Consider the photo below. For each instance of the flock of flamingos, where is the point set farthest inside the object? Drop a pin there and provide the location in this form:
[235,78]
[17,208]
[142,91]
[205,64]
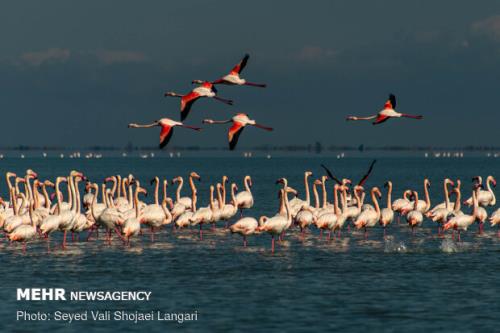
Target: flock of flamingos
[206,89]
[37,209]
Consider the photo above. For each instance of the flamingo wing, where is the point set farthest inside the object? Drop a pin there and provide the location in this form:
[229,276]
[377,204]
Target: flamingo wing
[380,119]
[365,177]
[165,135]
[234,134]
[330,174]
[391,102]
[241,65]
[187,102]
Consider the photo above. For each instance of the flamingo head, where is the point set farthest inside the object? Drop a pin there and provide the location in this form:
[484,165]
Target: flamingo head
[308,173]
[493,181]
[31,174]
[195,176]
[249,179]
[197,82]
[48,183]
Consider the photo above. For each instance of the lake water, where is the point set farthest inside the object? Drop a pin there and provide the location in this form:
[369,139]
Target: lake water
[403,283]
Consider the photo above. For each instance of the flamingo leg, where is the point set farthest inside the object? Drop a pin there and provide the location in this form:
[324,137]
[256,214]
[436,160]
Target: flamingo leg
[223,100]
[260,85]
[244,241]
[272,244]
[366,234]
[64,240]
[321,233]
[201,231]
[152,234]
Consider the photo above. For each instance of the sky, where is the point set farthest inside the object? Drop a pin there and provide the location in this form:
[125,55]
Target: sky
[77,72]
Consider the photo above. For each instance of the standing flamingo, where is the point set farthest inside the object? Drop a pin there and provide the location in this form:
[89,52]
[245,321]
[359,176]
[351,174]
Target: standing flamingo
[369,218]
[240,121]
[233,78]
[485,198]
[167,129]
[244,199]
[206,89]
[387,113]
[276,225]
[132,225]
[387,214]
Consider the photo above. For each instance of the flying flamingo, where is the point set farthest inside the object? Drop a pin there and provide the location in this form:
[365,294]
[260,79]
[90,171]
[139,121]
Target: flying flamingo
[233,78]
[167,128]
[388,112]
[206,89]
[239,122]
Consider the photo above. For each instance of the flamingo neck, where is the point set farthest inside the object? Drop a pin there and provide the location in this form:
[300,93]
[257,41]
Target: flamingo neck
[58,197]
[336,200]
[247,187]
[389,194]
[233,196]
[457,200]
[427,197]
[323,187]
[165,197]
[119,189]
[316,197]
[219,197]
[46,196]
[375,203]
[488,187]
[306,185]
[136,202]
[157,187]
[446,195]
[179,187]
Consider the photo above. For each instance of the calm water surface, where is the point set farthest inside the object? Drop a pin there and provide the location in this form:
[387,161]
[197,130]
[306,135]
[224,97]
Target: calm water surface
[403,283]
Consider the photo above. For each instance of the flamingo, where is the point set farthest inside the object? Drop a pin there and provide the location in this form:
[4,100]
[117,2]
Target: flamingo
[153,214]
[276,225]
[422,205]
[183,203]
[240,121]
[167,129]
[244,199]
[440,214]
[369,218]
[387,113]
[296,204]
[24,232]
[132,225]
[230,210]
[109,218]
[233,78]
[387,214]
[246,226]
[415,217]
[495,220]
[183,220]
[446,202]
[462,222]
[206,89]
[485,198]
[204,215]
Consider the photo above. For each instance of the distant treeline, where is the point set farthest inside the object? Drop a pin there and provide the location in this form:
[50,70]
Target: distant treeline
[312,148]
